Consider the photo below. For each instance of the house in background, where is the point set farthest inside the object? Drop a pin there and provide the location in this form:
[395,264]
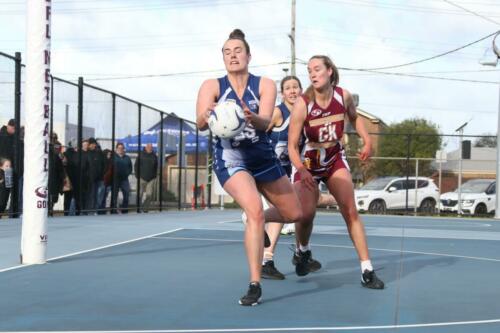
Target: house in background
[482,164]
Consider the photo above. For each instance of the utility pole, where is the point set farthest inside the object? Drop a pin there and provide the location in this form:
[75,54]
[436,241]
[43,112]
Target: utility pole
[292,39]
[460,131]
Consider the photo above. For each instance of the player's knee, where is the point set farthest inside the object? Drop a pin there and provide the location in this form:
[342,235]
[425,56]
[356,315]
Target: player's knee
[255,218]
[295,215]
[350,213]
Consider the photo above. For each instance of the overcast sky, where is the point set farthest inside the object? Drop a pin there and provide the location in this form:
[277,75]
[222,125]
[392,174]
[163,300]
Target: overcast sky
[103,39]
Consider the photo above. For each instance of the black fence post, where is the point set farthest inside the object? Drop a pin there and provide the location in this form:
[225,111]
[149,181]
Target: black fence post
[17,176]
[209,170]
[180,152]
[408,143]
[79,145]
[161,155]
[113,144]
[138,162]
[196,159]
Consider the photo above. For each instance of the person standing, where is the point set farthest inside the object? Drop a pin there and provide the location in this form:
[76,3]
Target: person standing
[146,168]
[122,168]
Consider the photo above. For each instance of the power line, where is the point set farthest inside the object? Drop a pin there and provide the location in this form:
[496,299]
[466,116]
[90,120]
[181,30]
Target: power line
[420,76]
[177,74]
[472,12]
[430,58]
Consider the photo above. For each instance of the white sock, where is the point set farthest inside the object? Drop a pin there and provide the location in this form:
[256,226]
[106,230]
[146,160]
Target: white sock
[304,248]
[268,256]
[366,265]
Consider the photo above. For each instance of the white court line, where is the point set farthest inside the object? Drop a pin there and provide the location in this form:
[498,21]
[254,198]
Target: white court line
[230,221]
[289,329]
[337,246]
[470,221]
[97,248]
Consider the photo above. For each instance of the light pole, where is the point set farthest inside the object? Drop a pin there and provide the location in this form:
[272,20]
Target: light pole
[494,63]
[460,131]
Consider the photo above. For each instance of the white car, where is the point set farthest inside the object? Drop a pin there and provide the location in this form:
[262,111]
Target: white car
[381,194]
[478,198]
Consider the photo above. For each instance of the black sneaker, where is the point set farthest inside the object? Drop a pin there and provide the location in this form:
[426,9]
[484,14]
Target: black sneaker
[253,295]
[269,271]
[312,264]
[370,280]
[267,241]
[302,266]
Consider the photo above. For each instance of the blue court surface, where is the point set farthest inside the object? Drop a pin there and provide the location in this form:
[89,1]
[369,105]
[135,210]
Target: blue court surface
[185,271]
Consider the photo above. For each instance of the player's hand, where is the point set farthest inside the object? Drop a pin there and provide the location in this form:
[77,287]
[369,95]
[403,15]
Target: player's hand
[209,111]
[365,153]
[307,179]
[249,115]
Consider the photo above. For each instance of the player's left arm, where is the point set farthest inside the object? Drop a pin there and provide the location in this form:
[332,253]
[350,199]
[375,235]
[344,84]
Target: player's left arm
[267,91]
[358,125]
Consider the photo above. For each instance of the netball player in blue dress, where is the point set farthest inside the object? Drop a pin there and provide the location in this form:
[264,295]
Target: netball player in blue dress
[246,164]
[291,89]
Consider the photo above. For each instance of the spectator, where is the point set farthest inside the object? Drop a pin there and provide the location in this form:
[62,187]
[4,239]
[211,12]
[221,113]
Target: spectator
[122,168]
[70,162]
[15,209]
[6,182]
[7,152]
[56,171]
[96,164]
[108,177]
[84,178]
[147,166]
[7,140]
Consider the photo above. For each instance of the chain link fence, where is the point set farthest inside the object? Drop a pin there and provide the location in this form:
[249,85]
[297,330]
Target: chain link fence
[111,154]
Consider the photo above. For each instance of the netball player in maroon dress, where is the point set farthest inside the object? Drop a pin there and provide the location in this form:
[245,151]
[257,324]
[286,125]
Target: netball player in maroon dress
[316,152]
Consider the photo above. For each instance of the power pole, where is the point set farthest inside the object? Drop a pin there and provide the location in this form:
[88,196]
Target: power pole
[292,38]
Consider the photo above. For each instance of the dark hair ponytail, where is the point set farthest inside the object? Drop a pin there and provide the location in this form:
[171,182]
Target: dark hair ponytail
[238,34]
[334,78]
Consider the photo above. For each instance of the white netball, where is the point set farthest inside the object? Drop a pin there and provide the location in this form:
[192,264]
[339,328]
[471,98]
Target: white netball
[227,120]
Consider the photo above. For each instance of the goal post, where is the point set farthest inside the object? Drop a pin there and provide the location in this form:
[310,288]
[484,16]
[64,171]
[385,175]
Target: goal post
[36,141]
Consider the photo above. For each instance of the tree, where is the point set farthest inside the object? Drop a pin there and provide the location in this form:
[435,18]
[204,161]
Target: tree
[423,138]
[487,140]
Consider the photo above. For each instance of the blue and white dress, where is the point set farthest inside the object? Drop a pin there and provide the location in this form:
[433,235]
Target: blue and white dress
[249,151]
[279,139]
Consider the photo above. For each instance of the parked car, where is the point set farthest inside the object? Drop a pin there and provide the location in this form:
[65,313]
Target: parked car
[478,198]
[382,194]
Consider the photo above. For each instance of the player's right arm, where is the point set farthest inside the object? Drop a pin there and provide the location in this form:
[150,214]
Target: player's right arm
[207,96]
[297,119]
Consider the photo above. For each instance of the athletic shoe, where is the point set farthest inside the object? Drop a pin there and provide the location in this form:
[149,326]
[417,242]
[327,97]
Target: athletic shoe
[269,271]
[288,229]
[370,280]
[302,266]
[267,241]
[253,295]
[312,264]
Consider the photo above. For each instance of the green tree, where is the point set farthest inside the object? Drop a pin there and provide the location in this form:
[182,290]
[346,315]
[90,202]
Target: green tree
[422,136]
[486,141]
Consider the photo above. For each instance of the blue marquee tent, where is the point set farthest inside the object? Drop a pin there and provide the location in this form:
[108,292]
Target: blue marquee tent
[171,138]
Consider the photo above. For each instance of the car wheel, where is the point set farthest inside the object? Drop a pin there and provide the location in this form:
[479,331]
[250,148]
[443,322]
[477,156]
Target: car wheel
[480,209]
[428,206]
[377,207]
